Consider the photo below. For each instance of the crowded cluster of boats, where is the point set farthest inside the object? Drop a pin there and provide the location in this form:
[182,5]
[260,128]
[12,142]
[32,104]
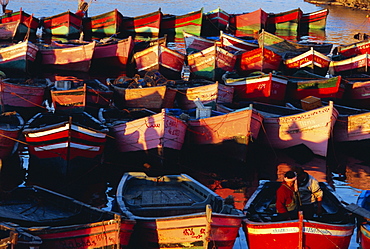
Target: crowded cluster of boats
[216,94]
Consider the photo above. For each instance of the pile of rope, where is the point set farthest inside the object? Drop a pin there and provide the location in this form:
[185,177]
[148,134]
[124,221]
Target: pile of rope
[150,79]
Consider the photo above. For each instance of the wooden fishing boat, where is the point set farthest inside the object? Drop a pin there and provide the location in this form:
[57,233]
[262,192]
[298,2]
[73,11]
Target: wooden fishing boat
[287,20]
[196,217]
[28,23]
[112,54]
[313,21]
[67,58]
[286,127]
[312,61]
[23,92]
[251,22]
[211,63]
[332,230]
[214,21]
[258,86]
[154,93]
[11,125]
[302,85]
[195,43]
[352,124]
[147,25]
[259,59]
[60,220]
[74,95]
[103,25]
[235,44]
[65,151]
[65,136]
[176,24]
[109,53]
[218,133]
[256,121]
[141,45]
[204,91]
[167,61]
[350,50]
[363,202]
[225,93]
[159,131]
[66,24]
[12,236]
[350,66]
[18,58]
[12,31]
[283,46]
[357,93]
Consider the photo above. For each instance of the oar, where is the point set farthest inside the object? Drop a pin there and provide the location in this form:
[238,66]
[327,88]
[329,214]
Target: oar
[4,3]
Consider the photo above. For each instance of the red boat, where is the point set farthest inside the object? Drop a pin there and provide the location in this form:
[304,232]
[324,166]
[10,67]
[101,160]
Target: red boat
[301,86]
[357,93]
[103,25]
[353,49]
[211,63]
[109,53]
[195,43]
[159,131]
[196,218]
[12,31]
[268,88]
[29,22]
[312,61]
[11,125]
[287,127]
[197,89]
[219,133]
[313,20]
[235,44]
[74,95]
[66,24]
[175,24]
[18,58]
[59,220]
[363,223]
[331,230]
[147,25]
[214,21]
[259,59]
[288,20]
[113,54]
[167,61]
[68,58]
[352,125]
[350,66]
[283,46]
[249,23]
[66,136]
[22,92]
[128,93]
[65,151]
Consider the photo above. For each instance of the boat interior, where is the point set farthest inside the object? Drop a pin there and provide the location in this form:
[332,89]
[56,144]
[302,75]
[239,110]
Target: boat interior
[169,196]
[262,208]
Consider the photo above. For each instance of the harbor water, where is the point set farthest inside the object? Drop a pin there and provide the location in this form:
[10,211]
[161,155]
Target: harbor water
[346,169]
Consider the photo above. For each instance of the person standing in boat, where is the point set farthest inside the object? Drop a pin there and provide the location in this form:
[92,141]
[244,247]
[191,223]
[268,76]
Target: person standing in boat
[286,197]
[82,8]
[310,194]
